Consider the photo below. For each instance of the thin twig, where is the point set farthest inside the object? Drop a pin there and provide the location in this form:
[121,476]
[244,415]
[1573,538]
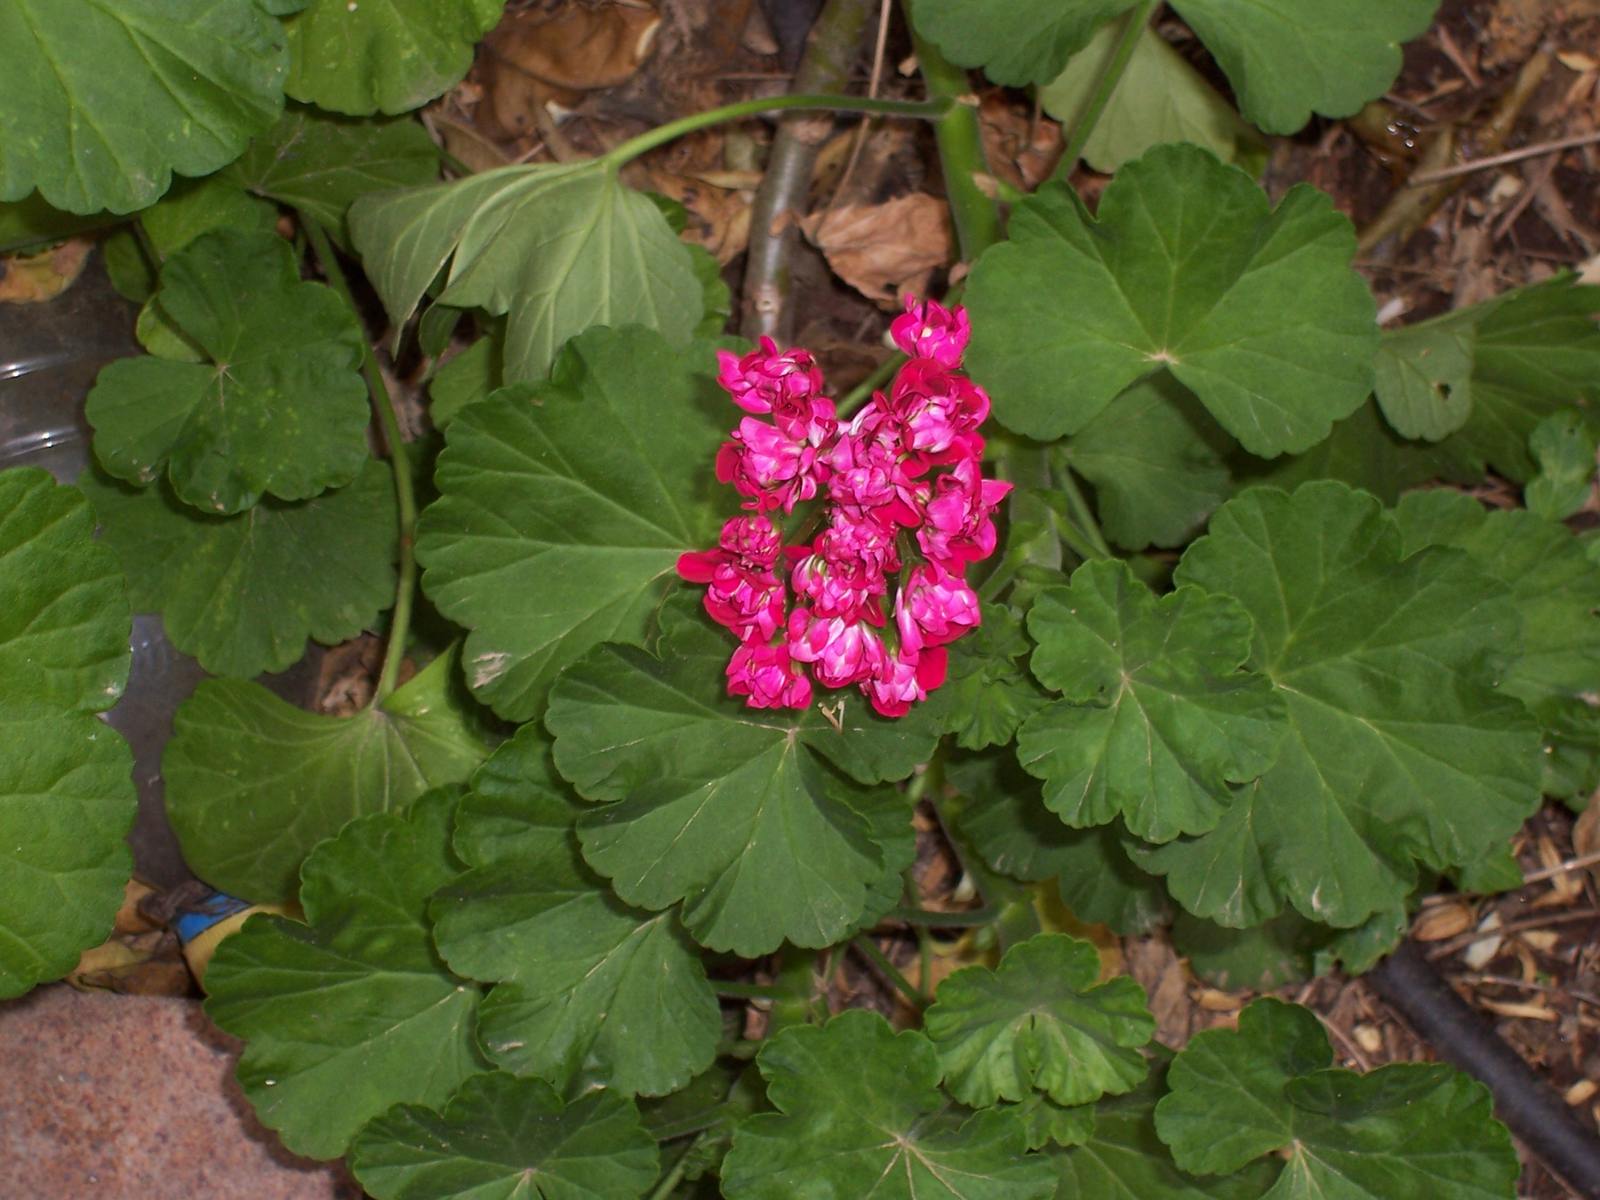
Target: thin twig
[1508,981]
[1561,868]
[1483,935]
[863,129]
[1423,178]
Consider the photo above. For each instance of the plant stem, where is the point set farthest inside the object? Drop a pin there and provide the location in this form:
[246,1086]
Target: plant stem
[399,460]
[960,141]
[1083,515]
[831,50]
[914,996]
[926,110]
[968,919]
[745,991]
[858,395]
[795,988]
[1132,31]
[674,1177]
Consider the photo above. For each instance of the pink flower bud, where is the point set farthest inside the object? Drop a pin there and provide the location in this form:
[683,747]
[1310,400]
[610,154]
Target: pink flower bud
[928,329]
[766,675]
[841,652]
[905,680]
[939,411]
[959,527]
[941,606]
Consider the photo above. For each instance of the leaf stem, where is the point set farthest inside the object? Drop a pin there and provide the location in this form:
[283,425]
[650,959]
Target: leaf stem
[1083,515]
[746,991]
[864,946]
[971,918]
[1132,31]
[927,110]
[674,1177]
[404,494]
[960,141]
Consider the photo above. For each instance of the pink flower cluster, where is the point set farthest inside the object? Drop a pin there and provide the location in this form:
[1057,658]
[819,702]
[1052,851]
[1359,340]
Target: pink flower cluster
[902,509]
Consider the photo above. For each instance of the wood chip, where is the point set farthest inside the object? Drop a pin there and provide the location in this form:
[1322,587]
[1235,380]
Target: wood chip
[1368,1038]
[1213,1000]
[1520,1010]
[1581,1092]
[1441,922]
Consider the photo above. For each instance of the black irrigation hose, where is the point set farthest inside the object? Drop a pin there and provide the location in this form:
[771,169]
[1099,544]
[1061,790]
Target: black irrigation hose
[1407,982]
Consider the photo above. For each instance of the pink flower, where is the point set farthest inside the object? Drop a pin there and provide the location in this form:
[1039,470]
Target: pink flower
[766,675]
[841,652]
[935,608]
[754,540]
[787,385]
[939,411]
[960,528]
[771,469]
[840,587]
[930,330]
[869,469]
[905,680]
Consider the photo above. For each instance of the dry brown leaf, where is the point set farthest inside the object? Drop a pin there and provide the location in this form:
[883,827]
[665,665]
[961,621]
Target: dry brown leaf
[35,278]
[464,143]
[719,217]
[1022,149]
[556,53]
[882,250]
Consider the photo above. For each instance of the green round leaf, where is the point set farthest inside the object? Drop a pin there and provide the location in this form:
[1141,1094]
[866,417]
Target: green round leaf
[1287,59]
[560,248]
[64,624]
[730,810]
[1124,1158]
[243,593]
[1564,445]
[1161,99]
[1424,378]
[104,102]
[351,1013]
[860,1114]
[254,783]
[1408,1131]
[1186,268]
[321,164]
[1402,749]
[502,1138]
[66,783]
[1536,351]
[66,803]
[1156,719]
[563,508]
[1016,42]
[1040,1020]
[988,693]
[1156,460]
[589,991]
[279,407]
[389,57]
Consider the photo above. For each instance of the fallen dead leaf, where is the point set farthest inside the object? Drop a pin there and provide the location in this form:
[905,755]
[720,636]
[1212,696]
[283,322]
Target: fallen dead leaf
[882,250]
[719,216]
[35,278]
[557,51]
